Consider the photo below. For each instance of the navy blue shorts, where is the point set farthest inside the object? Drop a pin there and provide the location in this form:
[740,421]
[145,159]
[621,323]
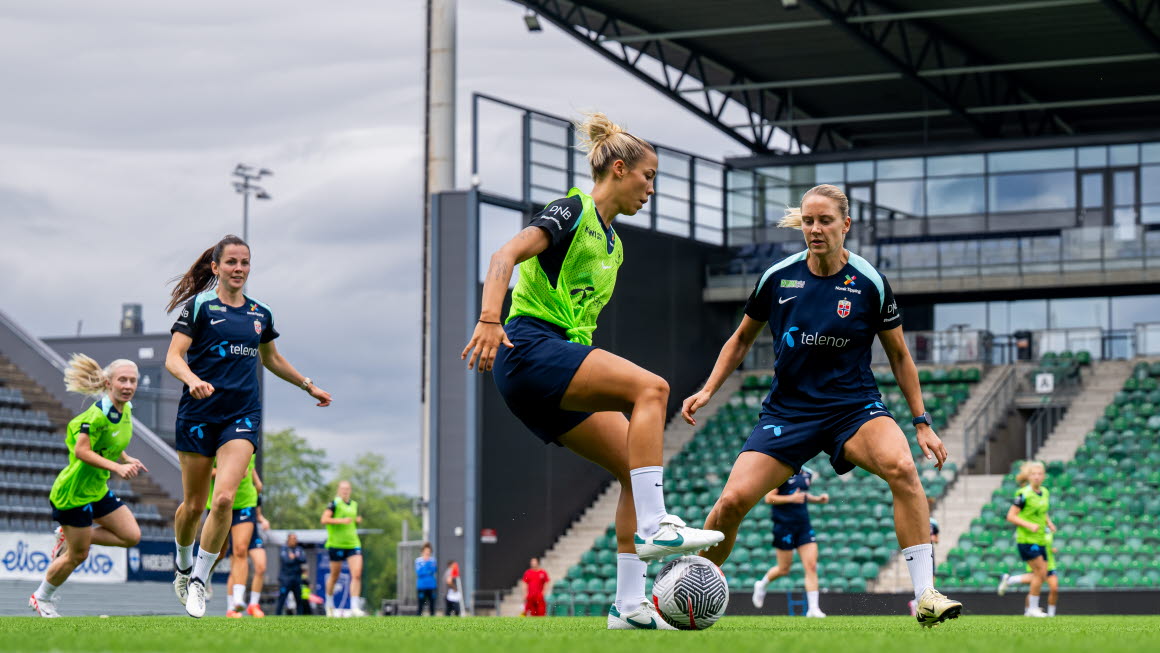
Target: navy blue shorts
[795,441]
[205,438]
[534,375]
[338,555]
[1030,552]
[788,539]
[83,516]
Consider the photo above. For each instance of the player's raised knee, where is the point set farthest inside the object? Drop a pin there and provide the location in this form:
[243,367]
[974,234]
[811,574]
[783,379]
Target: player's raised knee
[731,508]
[900,471]
[655,389]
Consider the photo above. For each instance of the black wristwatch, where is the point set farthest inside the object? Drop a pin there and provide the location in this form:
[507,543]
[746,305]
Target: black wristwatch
[921,419]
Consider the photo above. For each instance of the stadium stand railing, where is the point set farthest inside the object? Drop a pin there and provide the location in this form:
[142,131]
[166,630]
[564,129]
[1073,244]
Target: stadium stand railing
[855,530]
[1104,502]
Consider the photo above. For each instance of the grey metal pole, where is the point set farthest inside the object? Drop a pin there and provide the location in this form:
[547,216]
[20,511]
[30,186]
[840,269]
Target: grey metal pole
[246,211]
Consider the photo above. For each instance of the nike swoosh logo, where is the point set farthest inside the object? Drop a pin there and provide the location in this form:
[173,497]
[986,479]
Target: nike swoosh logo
[241,430]
[609,267]
[875,412]
[676,541]
[216,321]
[782,300]
[909,558]
[651,625]
[659,484]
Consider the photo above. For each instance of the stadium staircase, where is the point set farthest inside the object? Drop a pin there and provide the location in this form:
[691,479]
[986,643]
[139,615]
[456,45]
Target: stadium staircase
[1104,488]
[593,523]
[855,530]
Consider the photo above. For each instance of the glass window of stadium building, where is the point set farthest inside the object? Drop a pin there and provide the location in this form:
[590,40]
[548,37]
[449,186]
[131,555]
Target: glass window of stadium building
[1063,241]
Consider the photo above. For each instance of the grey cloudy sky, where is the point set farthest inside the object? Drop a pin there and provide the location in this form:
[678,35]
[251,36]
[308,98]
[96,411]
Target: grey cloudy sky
[122,120]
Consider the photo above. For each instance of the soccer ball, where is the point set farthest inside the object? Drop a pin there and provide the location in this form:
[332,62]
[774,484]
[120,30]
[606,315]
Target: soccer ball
[690,593]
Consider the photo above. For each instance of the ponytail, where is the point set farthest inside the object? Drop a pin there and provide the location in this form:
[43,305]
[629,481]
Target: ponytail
[200,276]
[84,376]
[793,215]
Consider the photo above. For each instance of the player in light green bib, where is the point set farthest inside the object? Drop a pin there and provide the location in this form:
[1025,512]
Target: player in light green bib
[341,519]
[244,525]
[1018,578]
[565,390]
[1034,528]
[80,495]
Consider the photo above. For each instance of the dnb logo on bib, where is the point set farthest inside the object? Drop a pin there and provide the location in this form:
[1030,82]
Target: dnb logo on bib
[843,307]
[258,326]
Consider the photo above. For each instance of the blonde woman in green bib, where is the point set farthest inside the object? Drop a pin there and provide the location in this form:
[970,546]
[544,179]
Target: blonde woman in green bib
[341,519]
[80,495]
[1029,514]
[568,392]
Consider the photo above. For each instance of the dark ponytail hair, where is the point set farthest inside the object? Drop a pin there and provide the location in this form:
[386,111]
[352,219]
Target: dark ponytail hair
[200,275]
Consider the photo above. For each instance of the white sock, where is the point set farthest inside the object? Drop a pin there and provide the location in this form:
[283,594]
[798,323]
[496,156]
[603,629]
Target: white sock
[648,493]
[46,590]
[330,601]
[630,577]
[239,595]
[255,597]
[184,555]
[1050,610]
[203,564]
[229,599]
[356,602]
[1032,601]
[812,598]
[761,582]
[1015,579]
[920,563]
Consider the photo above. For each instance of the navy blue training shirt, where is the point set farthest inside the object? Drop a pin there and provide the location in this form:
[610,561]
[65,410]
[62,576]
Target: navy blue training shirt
[788,516]
[822,328]
[224,353]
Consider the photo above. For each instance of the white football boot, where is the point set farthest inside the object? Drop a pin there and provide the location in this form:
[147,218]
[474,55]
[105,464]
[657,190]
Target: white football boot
[181,584]
[816,614]
[43,607]
[933,608]
[1035,612]
[1002,589]
[674,537]
[759,593]
[195,600]
[645,617]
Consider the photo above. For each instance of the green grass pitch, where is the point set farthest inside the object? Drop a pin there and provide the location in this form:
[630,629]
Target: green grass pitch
[583,635]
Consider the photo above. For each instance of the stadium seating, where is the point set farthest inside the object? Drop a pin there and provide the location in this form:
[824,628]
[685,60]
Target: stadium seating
[855,530]
[1104,502]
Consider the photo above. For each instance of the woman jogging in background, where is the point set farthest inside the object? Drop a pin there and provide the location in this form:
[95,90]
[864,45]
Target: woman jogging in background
[217,341]
[568,392]
[1020,578]
[792,531]
[80,494]
[341,519]
[1034,529]
[824,307]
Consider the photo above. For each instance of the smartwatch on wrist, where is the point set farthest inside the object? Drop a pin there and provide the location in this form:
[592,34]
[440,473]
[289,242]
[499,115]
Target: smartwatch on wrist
[921,419]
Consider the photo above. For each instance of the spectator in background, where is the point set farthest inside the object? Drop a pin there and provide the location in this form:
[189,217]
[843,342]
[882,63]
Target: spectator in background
[454,596]
[426,582]
[290,570]
[535,582]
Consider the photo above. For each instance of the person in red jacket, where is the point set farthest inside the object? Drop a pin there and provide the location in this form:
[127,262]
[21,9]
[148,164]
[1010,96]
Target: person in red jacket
[536,583]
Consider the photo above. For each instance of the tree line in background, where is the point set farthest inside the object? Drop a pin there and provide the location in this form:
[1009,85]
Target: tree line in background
[298,485]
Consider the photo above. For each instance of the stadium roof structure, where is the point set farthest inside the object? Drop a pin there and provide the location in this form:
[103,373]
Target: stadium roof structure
[851,74]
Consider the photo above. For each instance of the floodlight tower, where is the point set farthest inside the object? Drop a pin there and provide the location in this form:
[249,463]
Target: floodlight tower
[246,187]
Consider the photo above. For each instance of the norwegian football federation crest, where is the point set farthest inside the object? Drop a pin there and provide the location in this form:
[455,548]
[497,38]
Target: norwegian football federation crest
[258,323]
[843,307]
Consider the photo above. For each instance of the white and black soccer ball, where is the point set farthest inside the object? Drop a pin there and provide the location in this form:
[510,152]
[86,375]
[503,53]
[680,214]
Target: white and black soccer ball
[691,593]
